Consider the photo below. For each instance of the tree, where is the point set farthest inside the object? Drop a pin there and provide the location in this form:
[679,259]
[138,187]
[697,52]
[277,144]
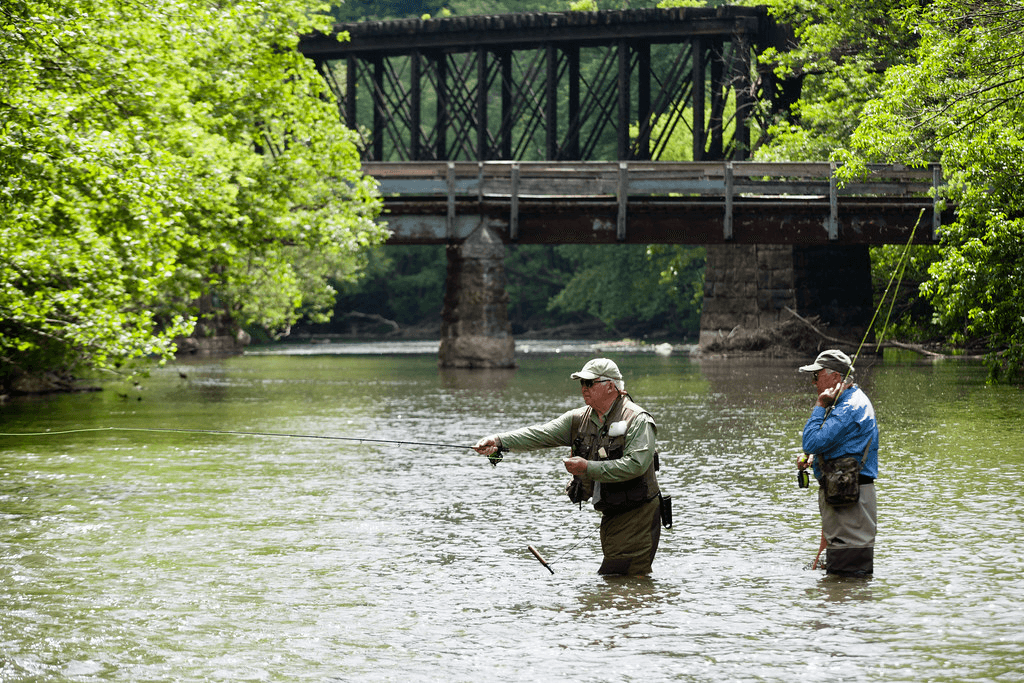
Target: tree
[961,99]
[841,53]
[629,285]
[404,284]
[363,10]
[534,274]
[153,156]
[940,81]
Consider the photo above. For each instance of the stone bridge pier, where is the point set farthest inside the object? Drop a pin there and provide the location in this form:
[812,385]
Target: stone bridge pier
[749,287]
[746,288]
[475,331]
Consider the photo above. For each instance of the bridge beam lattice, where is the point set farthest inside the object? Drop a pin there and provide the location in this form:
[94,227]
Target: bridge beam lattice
[557,86]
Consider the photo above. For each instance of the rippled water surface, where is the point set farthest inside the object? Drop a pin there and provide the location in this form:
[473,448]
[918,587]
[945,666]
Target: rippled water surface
[173,555]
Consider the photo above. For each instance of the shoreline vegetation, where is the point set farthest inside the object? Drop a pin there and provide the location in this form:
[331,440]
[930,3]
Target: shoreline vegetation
[794,338]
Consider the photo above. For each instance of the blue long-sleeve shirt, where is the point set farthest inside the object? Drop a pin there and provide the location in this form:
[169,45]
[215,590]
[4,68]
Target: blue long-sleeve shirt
[850,424]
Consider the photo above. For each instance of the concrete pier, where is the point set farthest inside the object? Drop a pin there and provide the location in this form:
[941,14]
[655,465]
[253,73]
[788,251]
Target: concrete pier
[475,331]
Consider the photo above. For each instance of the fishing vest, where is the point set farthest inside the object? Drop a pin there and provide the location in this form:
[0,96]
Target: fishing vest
[588,440]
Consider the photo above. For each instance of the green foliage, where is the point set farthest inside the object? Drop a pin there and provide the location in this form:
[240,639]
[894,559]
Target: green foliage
[905,314]
[534,274]
[960,100]
[401,283]
[622,286]
[155,155]
[842,51]
[364,10]
[668,4]
[913,83]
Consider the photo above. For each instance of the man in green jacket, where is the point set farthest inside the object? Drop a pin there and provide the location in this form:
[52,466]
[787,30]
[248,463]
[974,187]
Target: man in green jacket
[613,460]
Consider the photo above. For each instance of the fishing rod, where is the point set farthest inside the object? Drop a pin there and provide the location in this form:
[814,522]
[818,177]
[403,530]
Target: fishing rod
[494,458]
[901,268]
[540,558]
[803,478]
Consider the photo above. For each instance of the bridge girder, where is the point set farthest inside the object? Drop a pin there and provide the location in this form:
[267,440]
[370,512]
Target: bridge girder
[802,203]
[665,221]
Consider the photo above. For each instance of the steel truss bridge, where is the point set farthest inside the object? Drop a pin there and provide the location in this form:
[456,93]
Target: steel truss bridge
[630,126]
[560,86]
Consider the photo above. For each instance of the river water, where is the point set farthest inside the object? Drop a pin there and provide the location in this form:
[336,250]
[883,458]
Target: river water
[183,556]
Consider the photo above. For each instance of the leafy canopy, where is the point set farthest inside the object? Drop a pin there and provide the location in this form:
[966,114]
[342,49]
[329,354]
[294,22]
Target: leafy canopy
[913,83]
[152,155]
[961,100]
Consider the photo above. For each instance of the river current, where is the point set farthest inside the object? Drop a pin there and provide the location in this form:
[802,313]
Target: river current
[245,555]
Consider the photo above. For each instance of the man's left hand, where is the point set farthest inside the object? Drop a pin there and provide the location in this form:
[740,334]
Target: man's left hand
[829,396]
[576,466]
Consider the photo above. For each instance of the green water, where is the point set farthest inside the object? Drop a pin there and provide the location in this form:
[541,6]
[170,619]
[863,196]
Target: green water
[172,555]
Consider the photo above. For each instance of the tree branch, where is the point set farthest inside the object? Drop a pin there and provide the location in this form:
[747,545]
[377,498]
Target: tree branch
[917,348]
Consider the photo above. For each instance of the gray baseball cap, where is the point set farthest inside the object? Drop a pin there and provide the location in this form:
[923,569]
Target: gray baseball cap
[833,359]
[598,367]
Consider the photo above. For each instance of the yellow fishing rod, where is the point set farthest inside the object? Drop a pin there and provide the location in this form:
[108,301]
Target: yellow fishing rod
[900,269]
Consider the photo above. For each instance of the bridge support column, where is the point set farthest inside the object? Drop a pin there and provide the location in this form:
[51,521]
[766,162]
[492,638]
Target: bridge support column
[475,331]
[750,286]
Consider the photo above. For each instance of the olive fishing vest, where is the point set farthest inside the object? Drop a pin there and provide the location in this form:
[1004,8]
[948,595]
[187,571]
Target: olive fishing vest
[588,440]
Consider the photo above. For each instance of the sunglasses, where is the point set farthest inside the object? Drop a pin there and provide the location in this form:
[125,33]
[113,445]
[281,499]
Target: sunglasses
[591,382]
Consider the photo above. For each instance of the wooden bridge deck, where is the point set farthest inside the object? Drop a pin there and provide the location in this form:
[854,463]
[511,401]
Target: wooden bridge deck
[659,202]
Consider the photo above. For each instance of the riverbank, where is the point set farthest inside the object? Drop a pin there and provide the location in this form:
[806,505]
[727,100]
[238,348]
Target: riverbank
[382,347]
[795,338]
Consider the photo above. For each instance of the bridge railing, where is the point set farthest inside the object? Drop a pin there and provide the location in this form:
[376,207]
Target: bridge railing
[631,181]
[598,178]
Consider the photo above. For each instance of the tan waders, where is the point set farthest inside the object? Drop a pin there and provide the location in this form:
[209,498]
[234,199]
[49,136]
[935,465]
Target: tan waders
[629,539]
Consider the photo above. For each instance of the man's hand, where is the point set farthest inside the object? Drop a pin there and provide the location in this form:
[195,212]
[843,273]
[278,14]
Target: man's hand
[576,466]
[487,445]
[829,396]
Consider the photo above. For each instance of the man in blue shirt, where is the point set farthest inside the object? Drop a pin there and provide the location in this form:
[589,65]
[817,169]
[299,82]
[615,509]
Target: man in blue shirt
[843,424]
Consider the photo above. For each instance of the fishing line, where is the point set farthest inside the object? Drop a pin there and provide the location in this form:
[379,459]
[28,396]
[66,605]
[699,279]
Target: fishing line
[902,266]
[496,456]
[900,269]
[547,563]
[570,549]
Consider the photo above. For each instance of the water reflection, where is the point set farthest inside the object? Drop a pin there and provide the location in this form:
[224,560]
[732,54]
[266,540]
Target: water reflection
[833,588]
[157,556]
[622,593]
[490,379]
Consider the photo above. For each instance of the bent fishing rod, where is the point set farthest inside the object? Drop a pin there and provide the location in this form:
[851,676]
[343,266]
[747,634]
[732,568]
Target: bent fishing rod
[494,458]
